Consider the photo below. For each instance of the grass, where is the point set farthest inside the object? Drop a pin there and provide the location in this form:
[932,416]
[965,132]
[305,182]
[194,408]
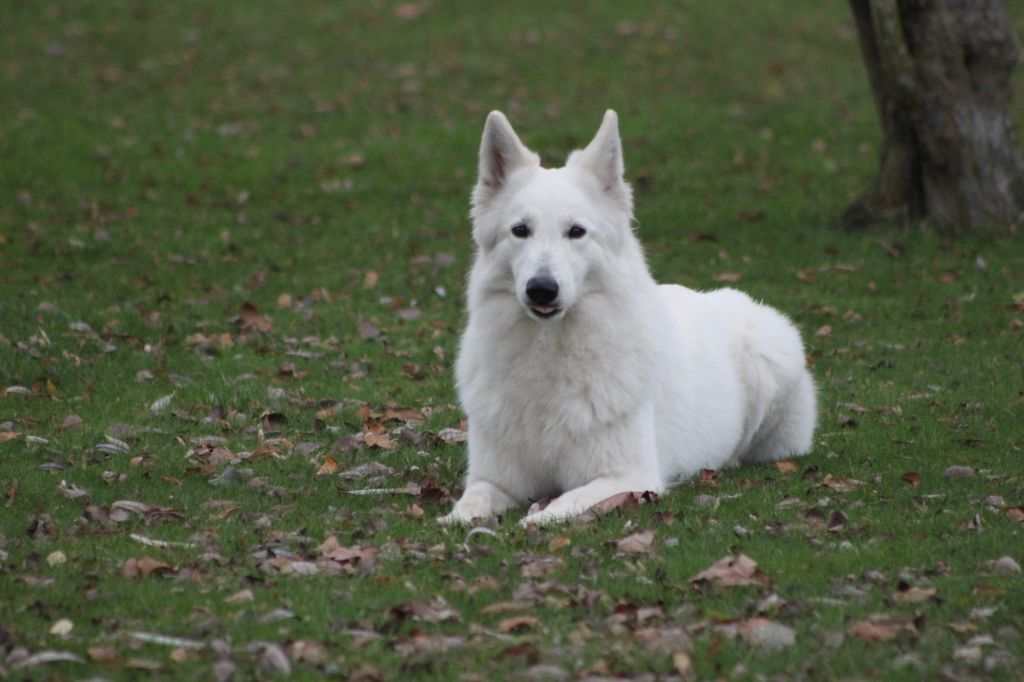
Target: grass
[161,164]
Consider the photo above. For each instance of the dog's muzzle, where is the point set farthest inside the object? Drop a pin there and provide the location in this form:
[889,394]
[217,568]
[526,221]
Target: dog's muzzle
[542,294]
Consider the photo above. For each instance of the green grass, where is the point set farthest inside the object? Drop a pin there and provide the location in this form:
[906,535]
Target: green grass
[163,163]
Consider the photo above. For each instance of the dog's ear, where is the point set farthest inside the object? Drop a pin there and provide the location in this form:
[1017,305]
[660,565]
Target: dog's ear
[501,152]
[603,158]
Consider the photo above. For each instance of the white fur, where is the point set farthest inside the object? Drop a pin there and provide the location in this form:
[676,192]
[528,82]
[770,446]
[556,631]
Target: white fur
[630,384]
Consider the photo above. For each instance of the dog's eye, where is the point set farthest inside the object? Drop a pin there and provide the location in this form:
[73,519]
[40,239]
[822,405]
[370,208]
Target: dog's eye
[521,231]
[576,231]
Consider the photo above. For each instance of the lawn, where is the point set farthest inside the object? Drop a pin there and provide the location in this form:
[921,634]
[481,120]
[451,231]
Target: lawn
[233,241]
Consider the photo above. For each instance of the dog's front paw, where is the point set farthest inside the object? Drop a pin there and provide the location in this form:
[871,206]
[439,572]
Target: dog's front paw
[464,512]
[548,516]
[481,500]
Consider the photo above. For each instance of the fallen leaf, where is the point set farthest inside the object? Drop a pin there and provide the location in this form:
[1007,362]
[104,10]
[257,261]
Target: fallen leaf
[409,415]
[367,470]
[637,543]
[408,11]
[452,435]
[625,500]
[437,611]
[538,567]
[841,484]
[558,543]
[517,623]
[307,651]
[62,627]
[914,594]
[380,440]
[506,607]
[729,277]
[880,628]
[787,466]
[241,597]
[912,477]
[273,658]
[367,330]
[765,633]
[72,421]
[957,471]
[836,521]
[329,466]
[250,320]
[683,664]
[47,656]
[102,654]
[144,566]
[331,549]
[731,571]
[161,404]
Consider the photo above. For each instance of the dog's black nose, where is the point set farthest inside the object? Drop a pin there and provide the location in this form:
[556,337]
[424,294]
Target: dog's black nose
[542,290]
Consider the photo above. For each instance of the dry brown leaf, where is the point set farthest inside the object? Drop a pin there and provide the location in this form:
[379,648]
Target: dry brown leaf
[331,549]
[409,415]
[787,466]
[241,597]
[637,543]
[558,543]
[102,654]
[729,277]
[380,440]
[841,484]
[707,477]
[731,571]
[72,421]
[626,500]
[912,477]
[307,651]
[505,607]
[516,623]
[683,665]
[878,629]
[367,330]
[329,466]
[540,567]
[437,611]
[250,319]
[144,566]
[915,594]
[450,435]
[8,435]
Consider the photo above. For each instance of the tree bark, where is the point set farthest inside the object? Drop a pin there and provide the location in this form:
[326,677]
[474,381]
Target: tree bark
[940,75]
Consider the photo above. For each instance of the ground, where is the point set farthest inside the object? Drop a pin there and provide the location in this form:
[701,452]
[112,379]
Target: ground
[233,240]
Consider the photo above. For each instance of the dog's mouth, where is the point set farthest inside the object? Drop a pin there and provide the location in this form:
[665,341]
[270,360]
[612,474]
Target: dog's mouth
[545,311]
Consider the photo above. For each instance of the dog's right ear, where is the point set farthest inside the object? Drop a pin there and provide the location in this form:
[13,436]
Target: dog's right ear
[501,153]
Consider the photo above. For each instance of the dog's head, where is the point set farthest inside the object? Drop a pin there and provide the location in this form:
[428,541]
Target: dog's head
[553,229]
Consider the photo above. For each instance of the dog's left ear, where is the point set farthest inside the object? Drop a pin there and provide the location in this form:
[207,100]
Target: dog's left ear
[603,158]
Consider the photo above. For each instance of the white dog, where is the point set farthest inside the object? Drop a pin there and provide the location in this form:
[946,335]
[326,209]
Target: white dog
[581,377]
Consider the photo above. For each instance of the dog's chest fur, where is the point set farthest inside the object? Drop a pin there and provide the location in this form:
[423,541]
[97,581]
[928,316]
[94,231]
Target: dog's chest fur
[527,379]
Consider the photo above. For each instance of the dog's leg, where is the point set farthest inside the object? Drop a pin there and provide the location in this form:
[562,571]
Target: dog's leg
[578,500]
[480,500]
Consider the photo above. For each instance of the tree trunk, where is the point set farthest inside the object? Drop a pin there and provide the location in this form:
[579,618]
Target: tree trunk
[940,74]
